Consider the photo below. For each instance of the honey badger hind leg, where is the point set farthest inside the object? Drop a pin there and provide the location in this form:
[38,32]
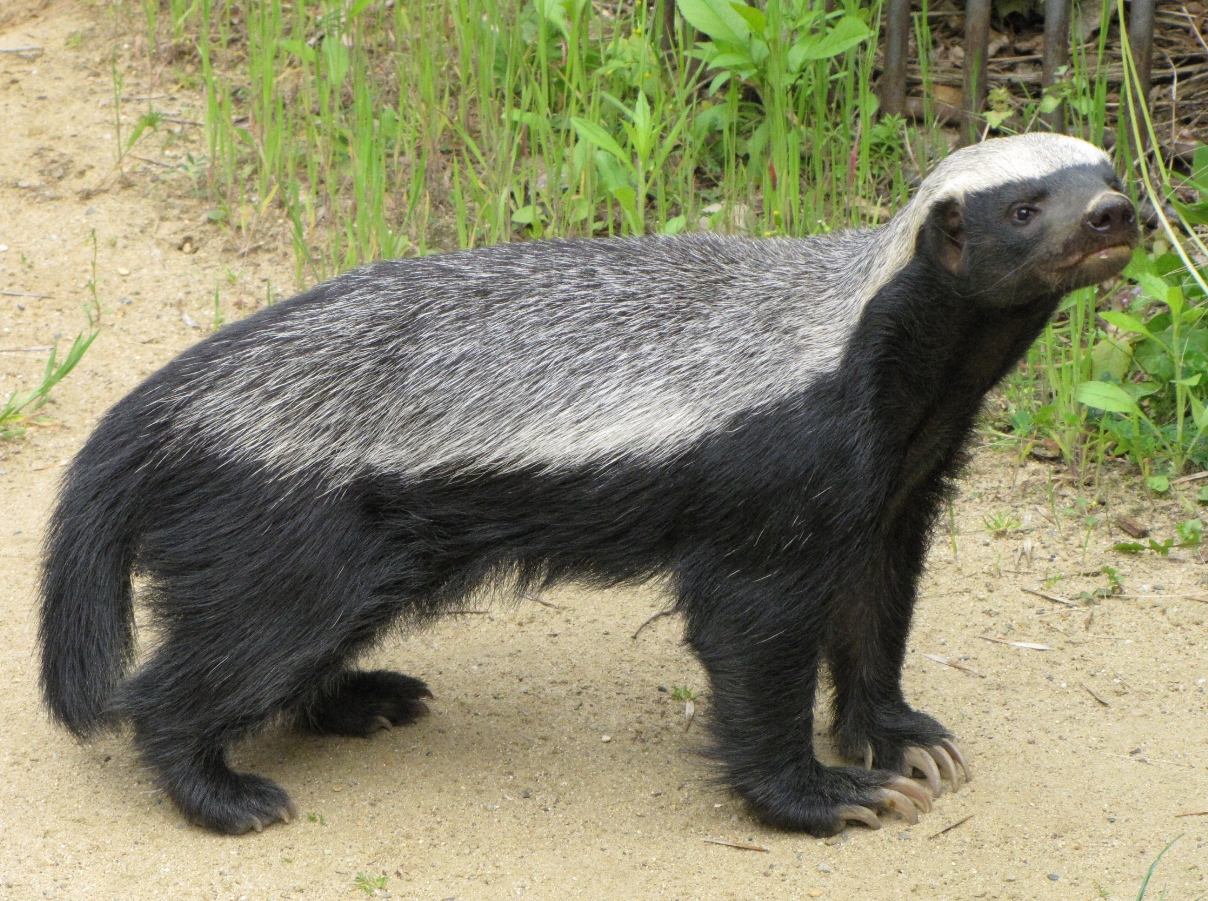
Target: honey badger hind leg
[260,618]
[360,703]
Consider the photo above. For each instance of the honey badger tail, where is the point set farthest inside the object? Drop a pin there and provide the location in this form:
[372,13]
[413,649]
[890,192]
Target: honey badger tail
[86,629]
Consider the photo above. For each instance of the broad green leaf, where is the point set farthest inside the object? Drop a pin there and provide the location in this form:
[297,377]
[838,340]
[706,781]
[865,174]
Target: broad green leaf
[756,19]
[1106,396]
[614,177]
[1199,166]
[1160,484]
[1112,357]
[675,226]
[846,34]
[1125,322]
[1199,413]
[1194,213]
[526,215]
[1153,285]
[716,18]
[739,61]
[300,49]
[590,131]
[335,55]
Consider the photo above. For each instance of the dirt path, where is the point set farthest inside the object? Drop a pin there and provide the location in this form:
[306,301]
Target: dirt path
[555,764]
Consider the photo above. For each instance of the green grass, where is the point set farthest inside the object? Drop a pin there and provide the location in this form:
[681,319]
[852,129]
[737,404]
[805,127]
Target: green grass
[380,131]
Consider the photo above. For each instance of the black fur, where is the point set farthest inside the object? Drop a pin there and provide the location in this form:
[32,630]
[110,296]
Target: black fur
[793,534]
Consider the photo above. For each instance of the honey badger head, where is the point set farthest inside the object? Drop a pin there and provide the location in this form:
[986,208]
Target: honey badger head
[1019,218]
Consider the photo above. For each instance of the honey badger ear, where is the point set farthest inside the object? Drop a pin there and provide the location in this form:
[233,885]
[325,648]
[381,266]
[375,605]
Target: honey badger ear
[946,231]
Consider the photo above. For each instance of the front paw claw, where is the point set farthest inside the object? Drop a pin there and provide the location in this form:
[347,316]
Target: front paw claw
[902,804]
[955,753]
[860,814]
[911,790]
[916,759]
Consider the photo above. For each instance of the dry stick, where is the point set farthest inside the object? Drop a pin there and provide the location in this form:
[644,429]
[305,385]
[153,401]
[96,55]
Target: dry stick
[740,845]
[25,350]
[537,600]
[1193,813]
[947,662]
[151,161]
[1031,646]
[658,615]
[21,50]
[1195,477]
[22,294]
[1091,692]
[953,826]
[1050,597]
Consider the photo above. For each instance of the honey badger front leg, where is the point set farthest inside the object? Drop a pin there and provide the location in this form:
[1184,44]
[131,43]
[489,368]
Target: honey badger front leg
[866,647]
[761,646]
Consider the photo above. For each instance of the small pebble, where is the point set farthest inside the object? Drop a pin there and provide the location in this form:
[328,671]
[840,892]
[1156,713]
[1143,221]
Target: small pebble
[3,247]
[825,867]
[122,270]
[605,738]
[1053,877]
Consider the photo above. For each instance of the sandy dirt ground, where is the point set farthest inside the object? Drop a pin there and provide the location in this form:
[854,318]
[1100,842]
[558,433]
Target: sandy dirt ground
[556,763]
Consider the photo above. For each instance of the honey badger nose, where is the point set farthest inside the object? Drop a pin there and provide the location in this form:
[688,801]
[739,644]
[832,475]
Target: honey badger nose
[1111,216]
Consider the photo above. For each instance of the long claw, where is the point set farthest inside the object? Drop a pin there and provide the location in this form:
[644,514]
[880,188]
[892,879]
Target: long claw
[940,756]
[868,757]
[955,753]
[290,813]
[383,723]
[916,759]
[910,789]
[257,824]
[863,814]
[901,804]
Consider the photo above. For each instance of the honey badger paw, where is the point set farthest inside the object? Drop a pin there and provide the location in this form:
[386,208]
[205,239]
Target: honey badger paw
[943,759]
[837,796]
[234,803]
[906,741]
[362,703]
[933,760]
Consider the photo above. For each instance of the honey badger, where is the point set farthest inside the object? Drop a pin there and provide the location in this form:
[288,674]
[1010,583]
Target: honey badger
[768,425]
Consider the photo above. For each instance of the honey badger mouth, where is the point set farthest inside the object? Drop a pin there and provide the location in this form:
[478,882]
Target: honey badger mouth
[1096,265]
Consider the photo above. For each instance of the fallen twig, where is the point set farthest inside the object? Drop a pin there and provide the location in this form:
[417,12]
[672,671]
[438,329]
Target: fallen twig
[953,826]
[1193,813]
[1091,692]
[537,600]
[658,615]
[1051,597]
[740,845]
[947,662]
[1194,477]
[1018,644]
[23,294]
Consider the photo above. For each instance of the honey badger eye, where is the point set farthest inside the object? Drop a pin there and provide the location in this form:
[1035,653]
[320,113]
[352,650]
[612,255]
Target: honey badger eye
[1023,213]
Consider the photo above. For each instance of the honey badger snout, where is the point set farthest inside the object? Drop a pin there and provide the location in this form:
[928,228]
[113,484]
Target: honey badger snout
[1111,216]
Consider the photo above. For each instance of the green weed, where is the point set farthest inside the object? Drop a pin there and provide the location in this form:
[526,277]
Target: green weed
[369,884]
[382,130]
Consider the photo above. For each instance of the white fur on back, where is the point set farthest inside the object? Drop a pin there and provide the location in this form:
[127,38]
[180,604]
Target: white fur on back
[561,354]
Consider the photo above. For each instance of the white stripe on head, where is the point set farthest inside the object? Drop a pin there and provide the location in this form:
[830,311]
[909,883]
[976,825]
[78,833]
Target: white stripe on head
[978,167]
